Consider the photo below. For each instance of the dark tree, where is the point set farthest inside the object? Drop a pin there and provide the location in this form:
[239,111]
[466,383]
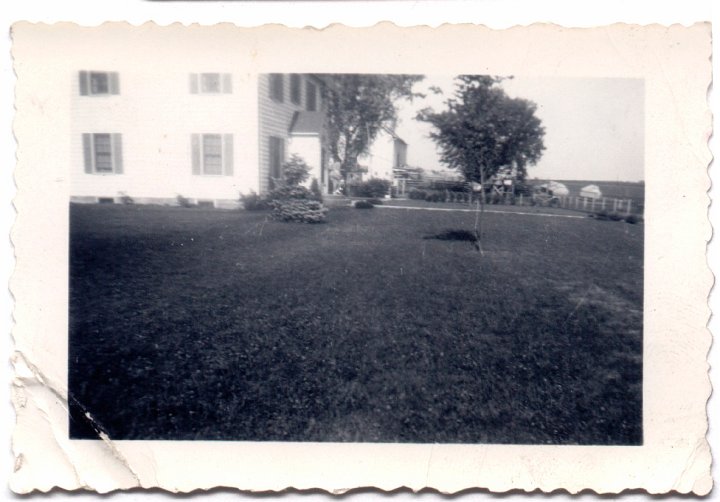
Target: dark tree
[358,106]
[483,129]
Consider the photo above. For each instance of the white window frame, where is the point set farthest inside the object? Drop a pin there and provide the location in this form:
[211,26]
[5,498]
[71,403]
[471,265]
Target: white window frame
[198,83]
[112,80]
[90,154]
[198,153]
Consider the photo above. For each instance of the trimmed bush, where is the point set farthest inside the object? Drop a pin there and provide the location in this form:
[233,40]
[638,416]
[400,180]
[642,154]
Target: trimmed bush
[299,210]
[315,190]
[615,216]
[416,194]
[254,202]
[184,201]
[374,187]
[295,170]
[375,202]
[632,219]
[435,197]
[363,204]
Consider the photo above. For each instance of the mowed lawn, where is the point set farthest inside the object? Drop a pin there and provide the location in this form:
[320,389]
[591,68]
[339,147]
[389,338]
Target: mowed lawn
[203,324]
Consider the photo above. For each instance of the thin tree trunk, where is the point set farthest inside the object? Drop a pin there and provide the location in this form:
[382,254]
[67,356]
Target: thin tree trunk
[480,213]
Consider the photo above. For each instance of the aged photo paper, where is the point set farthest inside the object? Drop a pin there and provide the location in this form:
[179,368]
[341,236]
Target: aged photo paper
[448,258]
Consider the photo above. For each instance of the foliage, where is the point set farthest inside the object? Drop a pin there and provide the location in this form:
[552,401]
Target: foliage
[374,187]
[295,171]
[287,192]
[453,186]
[254,202]
[615,216]
[632,219]
[375,202]
[184,201]
[483,129]
[363,204]
[315,190]
[416,194]
[126,199]
[358,106]
[299,210]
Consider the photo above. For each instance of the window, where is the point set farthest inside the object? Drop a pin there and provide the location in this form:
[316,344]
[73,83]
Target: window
[311,103]
[212,154]
[277,156]
[295,88]
[277,87]
[99,83]
[211,83]
[102,153]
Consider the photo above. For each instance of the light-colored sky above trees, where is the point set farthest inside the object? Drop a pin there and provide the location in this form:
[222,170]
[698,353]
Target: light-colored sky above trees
[594,128]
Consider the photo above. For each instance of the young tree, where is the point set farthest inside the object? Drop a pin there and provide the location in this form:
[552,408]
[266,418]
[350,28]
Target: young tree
[484,129]
[358,106]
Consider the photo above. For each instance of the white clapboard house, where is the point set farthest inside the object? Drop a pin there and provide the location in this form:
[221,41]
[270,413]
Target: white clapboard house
[387,154]
[205,134]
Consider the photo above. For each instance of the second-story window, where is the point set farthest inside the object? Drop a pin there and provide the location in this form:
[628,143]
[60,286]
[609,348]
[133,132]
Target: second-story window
[277,87]
[211,83]
[99,83]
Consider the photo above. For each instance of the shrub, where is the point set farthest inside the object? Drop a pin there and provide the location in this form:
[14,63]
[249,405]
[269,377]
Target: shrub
[363,204]
[184,201]
[374,187]
[632,219]
[295,170]
[287,192]
[601,215]
[315,190]
[254,202]
[435,197]
[299,210]
[375,202]
[126,199]
[416,194]
[615,216]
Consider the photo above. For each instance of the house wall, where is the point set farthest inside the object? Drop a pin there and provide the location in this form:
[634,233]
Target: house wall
[309,148]
[275,119]
[380,158]
[156,114]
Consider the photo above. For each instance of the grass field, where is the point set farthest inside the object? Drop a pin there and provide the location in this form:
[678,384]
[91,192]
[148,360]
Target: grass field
[202,324]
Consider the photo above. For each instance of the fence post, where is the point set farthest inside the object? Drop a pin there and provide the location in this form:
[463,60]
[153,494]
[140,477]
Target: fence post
[592,205]
[521,199]
[629,202]
[602,206]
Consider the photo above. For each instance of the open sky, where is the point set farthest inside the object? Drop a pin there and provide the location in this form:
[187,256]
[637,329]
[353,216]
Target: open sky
[594,128]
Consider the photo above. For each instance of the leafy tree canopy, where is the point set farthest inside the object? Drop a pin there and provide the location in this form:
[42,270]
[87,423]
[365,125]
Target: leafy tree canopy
[483,129]
[358,106]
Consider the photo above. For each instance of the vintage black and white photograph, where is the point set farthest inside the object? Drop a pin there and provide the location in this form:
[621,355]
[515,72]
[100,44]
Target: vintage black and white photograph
[377,267]
[355,257]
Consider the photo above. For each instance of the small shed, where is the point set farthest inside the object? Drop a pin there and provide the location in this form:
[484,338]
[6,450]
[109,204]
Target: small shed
[591,192]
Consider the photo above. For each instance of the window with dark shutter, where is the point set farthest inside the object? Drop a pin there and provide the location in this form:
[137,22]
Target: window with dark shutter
[99,83]
[311,97]
[277,157]
[212,154]
[295,90]
[102,153]
[277,87]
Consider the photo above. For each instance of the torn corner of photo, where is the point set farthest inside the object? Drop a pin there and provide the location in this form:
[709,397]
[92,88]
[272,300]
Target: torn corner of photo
[275,265]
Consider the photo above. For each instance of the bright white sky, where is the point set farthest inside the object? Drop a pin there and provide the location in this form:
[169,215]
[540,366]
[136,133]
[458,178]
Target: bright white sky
[594,128]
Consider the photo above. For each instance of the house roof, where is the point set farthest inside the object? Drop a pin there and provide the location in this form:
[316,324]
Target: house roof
[393,134]
[307,123]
